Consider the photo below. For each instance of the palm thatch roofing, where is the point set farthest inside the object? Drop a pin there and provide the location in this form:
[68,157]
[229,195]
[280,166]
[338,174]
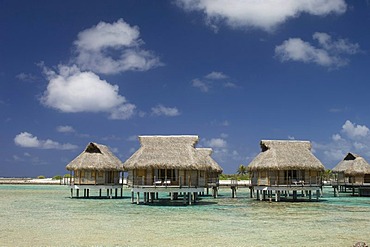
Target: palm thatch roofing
[352,165]
[96,157]
[285,155]
[204,157]
[170,152]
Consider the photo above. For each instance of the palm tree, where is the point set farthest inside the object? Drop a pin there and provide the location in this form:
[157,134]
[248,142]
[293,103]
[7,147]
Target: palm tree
[242,170]
[327,175]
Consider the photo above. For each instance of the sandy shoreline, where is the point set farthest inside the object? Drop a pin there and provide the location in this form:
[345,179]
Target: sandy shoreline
[30,181]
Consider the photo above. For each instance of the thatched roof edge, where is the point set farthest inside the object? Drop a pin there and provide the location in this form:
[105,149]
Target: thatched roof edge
[96,157]
[285,155]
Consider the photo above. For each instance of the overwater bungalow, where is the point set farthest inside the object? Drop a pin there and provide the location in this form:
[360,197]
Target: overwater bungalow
[284,168]
[213,170]
[95,168]
[353,173]
[170,164]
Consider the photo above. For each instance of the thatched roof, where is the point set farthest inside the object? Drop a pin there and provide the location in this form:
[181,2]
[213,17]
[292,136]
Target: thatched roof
[352,165]
[96,157]
[204,157]
[285,155]
[171,152]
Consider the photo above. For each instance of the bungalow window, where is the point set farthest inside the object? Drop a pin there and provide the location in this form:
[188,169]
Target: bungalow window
[93,174]
[100,174]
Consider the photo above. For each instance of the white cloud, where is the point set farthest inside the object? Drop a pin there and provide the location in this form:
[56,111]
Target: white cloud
[72,90]
[336,137]
[202,85]
[27,77]
[354,131]
[338,46]
[214,75]
[161,110]
[355,138]
[216,143]
[95,47]
[27,140]
[65,129]
[265,15]
[329,53]
[230,85]
[210,80]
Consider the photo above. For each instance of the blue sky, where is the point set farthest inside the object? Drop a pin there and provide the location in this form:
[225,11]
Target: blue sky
[232,72]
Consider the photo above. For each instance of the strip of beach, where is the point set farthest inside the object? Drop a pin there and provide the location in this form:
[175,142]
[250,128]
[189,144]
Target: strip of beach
[44,181]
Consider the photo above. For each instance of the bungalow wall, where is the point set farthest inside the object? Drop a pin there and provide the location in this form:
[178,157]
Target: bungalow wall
[356,180]
[88,177]
[285,177]
[170,177]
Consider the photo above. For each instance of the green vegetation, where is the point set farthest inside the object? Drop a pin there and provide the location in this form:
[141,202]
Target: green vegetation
[327,175]
[57,177]
[233,177]
[242,170]
[241,174]
[67,175]
[40,177]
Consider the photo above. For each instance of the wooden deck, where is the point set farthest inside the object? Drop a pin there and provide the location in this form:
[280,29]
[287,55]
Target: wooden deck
[264,192]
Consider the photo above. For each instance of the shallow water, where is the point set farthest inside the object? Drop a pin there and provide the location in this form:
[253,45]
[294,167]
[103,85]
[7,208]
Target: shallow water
[38,215]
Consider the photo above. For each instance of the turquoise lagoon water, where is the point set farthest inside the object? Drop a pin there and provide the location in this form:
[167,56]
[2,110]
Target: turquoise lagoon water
[38,215]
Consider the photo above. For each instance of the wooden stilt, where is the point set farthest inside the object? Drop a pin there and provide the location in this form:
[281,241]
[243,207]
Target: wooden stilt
[294,195]
[336,193]
[137,198]
[317,195]
[71,193]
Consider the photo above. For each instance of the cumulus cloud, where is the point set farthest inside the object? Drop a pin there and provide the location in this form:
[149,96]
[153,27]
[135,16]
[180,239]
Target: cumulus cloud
[216,143]
[111,48]
[354,131]
[353,138]
[27,140]
[161,110]
[329,52]
[265,15]
[72,90]
[65,129]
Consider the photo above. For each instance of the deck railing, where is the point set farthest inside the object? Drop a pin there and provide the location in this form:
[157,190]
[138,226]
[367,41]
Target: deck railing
[163,181]
[284,181]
